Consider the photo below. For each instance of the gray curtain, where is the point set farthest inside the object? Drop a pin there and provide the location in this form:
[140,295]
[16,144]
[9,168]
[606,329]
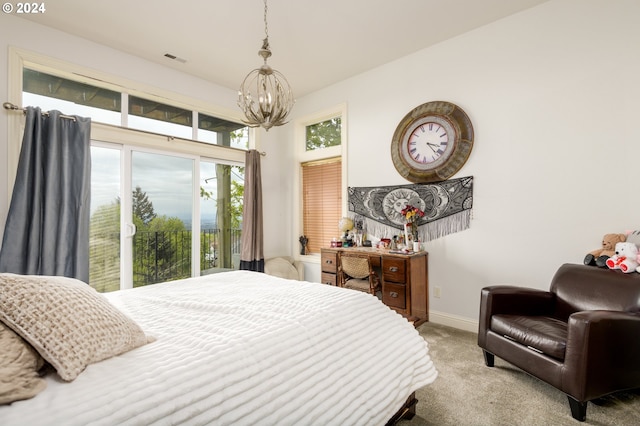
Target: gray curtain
[47,228]
[252,254]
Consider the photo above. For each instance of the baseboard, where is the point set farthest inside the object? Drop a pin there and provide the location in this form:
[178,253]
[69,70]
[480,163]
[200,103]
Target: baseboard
[454,321]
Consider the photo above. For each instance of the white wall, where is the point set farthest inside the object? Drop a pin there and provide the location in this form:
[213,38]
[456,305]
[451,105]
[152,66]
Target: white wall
[553,94]
[277,191]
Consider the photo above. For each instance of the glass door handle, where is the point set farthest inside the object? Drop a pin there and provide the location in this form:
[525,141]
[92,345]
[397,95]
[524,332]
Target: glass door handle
[130,230]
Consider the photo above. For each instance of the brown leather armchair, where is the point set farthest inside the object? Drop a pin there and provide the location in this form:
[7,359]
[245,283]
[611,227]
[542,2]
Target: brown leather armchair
[582,336]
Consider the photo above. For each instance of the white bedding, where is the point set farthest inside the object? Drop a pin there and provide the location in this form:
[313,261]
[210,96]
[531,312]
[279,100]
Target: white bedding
[244,348]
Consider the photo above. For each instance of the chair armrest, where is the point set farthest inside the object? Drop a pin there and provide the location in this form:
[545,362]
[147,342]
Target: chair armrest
[300,268]
[514,300]
[603,351]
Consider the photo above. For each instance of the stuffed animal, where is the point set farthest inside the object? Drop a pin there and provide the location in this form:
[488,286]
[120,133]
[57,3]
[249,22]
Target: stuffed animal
[625,258]
[599,257]
[633,237]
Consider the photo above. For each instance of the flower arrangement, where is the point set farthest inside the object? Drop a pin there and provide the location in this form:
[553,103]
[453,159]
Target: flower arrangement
[412,214]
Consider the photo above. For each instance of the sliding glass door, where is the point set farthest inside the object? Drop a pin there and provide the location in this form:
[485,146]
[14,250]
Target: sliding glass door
[104,233]
[162,212]
[158,216]
[221,196]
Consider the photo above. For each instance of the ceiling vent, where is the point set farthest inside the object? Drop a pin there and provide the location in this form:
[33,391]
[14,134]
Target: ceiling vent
[175,58]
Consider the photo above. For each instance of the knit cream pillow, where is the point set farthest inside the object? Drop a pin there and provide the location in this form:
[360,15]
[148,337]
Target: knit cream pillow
[69,323]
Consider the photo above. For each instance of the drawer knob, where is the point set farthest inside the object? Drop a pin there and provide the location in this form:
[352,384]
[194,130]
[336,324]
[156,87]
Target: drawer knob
[328,261]
[393,294]
[393,269]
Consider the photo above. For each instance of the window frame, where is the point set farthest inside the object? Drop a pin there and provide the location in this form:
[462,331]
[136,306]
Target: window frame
[120,137]
[20,58]
[304,156]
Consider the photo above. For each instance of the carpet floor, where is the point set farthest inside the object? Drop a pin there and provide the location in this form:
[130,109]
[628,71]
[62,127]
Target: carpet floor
[467,392]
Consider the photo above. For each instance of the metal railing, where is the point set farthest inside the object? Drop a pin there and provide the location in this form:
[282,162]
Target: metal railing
[166,255]
[160,256]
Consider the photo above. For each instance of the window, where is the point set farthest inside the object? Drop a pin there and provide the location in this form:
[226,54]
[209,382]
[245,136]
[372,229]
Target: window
[103,105]
[145,114]
[71,97]
[51,86]
[324,134]
[215,130]
[161,209]
[104,228]
[321,177]
[322,202]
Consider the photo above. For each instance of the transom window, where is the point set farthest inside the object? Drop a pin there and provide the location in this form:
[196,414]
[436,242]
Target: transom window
[324,134]
[106,106]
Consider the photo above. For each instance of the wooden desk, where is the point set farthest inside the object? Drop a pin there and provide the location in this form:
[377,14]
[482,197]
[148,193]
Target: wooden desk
[404,278]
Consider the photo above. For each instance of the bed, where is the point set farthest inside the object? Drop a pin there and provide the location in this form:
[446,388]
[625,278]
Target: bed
[237,347]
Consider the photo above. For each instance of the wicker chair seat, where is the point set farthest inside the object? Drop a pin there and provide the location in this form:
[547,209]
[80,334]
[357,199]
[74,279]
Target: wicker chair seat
[356,284]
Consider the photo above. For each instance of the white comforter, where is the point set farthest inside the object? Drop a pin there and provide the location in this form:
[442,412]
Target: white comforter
[244,348]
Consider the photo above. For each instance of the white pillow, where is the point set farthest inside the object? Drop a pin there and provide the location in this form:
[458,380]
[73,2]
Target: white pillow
[69,323]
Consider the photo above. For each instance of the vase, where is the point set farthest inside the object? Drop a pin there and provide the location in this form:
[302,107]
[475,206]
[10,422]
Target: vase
[414,232]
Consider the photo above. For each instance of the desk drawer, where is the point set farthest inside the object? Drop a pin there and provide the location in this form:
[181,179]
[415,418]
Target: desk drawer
[329,262]
[394,269]
[329,279]
[394,295]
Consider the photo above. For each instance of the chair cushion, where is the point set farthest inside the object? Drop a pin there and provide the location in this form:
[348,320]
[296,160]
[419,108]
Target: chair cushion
[545,334]
[360,285]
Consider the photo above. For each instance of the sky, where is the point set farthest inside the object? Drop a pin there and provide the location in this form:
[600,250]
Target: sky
[167,181]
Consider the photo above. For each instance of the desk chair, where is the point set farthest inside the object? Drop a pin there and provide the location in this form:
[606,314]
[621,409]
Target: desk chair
[356,272]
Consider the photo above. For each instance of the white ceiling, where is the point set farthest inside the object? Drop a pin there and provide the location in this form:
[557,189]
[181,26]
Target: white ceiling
[314,42]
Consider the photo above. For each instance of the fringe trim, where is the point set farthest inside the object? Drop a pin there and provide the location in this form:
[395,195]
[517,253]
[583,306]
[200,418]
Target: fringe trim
[429,231]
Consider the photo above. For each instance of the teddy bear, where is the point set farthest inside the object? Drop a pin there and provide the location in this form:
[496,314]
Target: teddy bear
[599,257]
[625,257]
[634,237]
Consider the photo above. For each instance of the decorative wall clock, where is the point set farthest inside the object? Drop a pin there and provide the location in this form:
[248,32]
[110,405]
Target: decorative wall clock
[432,142]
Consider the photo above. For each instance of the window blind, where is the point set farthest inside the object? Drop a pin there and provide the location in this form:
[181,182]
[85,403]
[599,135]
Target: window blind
[322,202]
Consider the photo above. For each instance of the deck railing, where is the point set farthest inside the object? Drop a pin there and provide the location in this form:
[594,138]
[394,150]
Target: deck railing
[166,255]
[160,256]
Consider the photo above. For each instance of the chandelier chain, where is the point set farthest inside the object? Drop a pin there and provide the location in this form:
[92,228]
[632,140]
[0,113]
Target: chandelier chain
[266,29]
